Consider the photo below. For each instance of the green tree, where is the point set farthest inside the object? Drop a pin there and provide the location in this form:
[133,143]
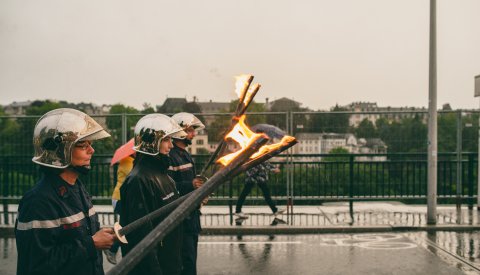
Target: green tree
[330,122]
[470,133]
[9,132]
[114,123]
[300,121]
[147,108]
[447,132]
[40,107]
[366,129]
[406,136]
[337,122]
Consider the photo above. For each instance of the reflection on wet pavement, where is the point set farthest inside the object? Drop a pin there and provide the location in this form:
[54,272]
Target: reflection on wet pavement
[458,248]
[400,253]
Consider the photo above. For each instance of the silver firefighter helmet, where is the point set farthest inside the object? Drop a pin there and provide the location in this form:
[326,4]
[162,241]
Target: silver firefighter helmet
[151,129]
[56,133]
[186,120]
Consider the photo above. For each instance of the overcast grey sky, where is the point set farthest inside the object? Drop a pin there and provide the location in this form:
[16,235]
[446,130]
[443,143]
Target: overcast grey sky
[318,52]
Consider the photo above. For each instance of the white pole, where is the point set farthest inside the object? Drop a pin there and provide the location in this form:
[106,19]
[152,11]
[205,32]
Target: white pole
[459,159]
[477,94]
[432,121]
[478,170]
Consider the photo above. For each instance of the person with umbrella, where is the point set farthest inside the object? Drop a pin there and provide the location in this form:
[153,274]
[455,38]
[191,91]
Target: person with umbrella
[124,155]
[259,175]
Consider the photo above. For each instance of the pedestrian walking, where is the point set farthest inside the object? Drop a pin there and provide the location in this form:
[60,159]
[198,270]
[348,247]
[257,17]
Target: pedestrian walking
[258,175]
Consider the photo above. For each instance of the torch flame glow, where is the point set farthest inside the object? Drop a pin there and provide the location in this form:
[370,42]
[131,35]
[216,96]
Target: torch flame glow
[265,149]
[243,136]
[241,84]
[252,90]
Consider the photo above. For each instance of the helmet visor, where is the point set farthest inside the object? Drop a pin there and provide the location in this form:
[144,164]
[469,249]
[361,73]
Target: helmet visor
[96,136]
[179,135]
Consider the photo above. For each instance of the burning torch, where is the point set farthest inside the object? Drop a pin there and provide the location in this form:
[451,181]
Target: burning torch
[144,247]
[264,153]
[253,152]
[245,97]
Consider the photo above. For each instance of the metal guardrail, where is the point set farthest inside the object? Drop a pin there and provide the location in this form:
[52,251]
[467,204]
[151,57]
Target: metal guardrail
[305,178]
[362,218]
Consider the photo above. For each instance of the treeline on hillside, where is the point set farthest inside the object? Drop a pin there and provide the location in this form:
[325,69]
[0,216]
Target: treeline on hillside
[401,135]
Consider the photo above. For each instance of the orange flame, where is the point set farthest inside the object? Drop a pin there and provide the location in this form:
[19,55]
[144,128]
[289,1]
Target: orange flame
[241,84]
[265,149]
[243,136]
[250,92]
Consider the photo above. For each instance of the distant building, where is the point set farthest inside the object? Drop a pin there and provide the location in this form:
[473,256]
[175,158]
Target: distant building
[371,146]
[199,144]
[211,107]
[323,143]
[172,105]
[214,107]
[17,108]
[390,113]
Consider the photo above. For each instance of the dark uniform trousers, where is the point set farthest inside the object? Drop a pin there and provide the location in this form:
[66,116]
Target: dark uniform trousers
[182,170]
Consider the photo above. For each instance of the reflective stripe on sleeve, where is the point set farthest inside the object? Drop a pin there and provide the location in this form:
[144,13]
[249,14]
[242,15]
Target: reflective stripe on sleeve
[54,223]
[181,167]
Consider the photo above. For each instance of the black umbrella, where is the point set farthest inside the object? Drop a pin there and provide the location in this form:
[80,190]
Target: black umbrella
[271,131]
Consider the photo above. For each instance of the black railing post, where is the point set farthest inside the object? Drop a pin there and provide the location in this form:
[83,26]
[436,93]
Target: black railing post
[459,175]
[5,191]
[230,200]
[470,180]
[350,187]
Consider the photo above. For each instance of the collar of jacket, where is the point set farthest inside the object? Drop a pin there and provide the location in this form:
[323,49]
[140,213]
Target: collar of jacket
[176,147]
[159,162]
[61,187]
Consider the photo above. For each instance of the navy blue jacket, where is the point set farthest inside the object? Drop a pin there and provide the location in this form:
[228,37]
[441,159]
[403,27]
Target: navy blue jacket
[146,189]
[182,171]
[54,230]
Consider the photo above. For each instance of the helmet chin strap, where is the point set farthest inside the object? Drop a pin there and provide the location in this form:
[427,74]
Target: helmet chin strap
[185,141]
[83,170]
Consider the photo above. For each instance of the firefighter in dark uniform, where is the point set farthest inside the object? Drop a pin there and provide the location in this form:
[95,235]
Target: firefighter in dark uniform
[57,230]
[182,170]
[148,188]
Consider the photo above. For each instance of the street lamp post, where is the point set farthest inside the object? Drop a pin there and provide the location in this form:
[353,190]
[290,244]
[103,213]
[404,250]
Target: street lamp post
[432,120]
[477,94]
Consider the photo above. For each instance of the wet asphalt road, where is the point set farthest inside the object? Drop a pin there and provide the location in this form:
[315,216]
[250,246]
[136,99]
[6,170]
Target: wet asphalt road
[383,253]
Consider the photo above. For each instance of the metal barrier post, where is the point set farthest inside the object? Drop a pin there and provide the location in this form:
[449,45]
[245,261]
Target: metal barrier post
[459,160]
[5,192]
[230,195]
[124,128]
[470,180]
[350,187]
[289,126]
